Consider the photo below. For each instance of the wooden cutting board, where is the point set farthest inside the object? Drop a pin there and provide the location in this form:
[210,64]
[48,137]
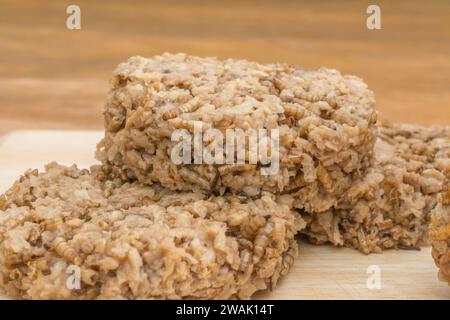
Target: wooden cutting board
[320,272]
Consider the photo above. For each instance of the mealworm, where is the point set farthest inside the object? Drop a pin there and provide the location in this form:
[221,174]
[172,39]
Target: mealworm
[325,179]
[190,125]
[36,267]
[15,274]
[191,106]
[252,225]
[193,177]
[245,260]
[89,276]
[289,259]
[67,252]
[170,114]
[293,159]
[291,110]
[52,224]
[262,241]
[225,169]
[237,218]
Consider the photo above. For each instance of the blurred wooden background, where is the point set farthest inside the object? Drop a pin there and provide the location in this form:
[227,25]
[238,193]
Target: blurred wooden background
[54,78]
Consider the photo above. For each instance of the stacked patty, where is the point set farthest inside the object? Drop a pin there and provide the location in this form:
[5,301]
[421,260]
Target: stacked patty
[142,225]
[326,124]
[132,241]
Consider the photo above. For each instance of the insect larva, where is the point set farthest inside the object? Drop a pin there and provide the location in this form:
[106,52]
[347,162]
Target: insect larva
[278,84]
[325,179]
[245,260]
[191,106]
[262,241]
[66,251]
[87,247]
[14,258]
[37,266]
[89,276]
[308,96]
[289,259]
[321,107]
[225,169]
[245,243]
[294,185]
[15,274]
[252,225]
[293,159]
[332,101]
[386,224]
[3,200]
[373,117]
[291,110]
[237,218]
[170,114]
[193,177]
[52,224]
[235,199]
[190,125]
[102,224]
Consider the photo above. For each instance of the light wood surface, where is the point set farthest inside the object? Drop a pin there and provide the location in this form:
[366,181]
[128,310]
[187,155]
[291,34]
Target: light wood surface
[321,272]
[51,77]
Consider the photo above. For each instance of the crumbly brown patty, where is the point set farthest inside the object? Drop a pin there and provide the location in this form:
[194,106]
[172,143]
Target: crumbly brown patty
[440,233]
[391,206]
[326,122]
[132,241]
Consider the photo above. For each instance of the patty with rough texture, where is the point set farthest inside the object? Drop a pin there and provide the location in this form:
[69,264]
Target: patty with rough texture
[391,206]
[132,241]
[326,125]
[440,233]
